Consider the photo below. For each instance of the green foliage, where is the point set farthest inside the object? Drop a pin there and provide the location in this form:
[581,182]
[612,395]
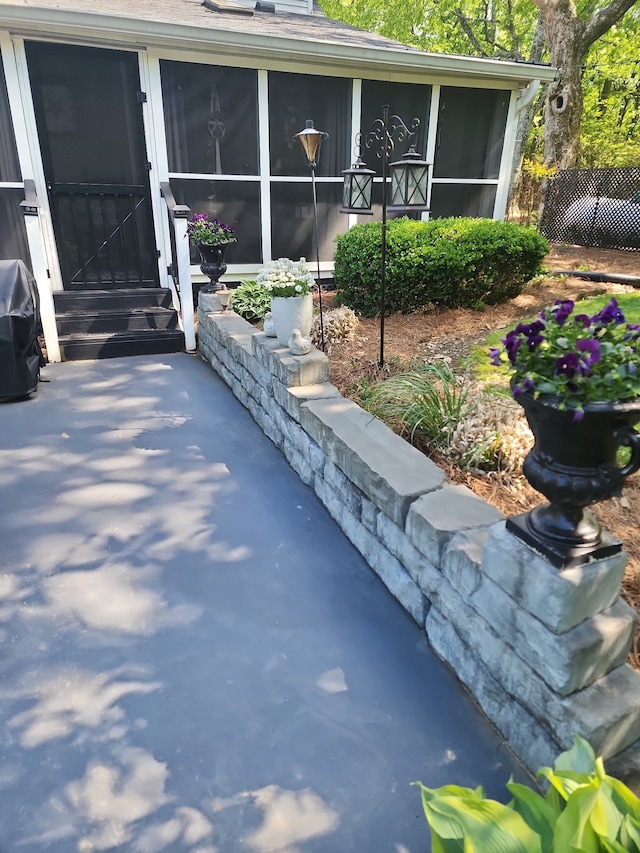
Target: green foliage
[456,262]
[505,29]
[251,300]
[427,402]
[583,810]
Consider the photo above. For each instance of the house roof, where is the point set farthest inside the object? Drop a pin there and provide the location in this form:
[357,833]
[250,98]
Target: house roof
[308,38]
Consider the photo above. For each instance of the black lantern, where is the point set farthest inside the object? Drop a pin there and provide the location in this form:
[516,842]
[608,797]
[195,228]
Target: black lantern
[409,182]
[311,139]
[358,183]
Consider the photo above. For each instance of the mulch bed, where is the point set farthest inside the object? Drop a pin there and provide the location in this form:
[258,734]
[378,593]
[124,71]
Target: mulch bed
[449,334]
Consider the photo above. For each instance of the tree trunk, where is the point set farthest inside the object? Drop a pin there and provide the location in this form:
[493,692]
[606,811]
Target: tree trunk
[563,108]
[525,118]
[568,39]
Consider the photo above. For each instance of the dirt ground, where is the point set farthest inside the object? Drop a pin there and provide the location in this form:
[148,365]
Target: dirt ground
[449,334]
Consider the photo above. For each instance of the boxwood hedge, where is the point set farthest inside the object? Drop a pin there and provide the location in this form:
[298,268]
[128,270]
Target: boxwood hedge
[455,262]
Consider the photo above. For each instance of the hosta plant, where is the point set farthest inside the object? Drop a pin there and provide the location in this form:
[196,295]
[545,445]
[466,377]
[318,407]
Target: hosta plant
[583,811]
[251,300]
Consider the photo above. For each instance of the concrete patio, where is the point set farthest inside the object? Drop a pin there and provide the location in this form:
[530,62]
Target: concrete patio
[194,657]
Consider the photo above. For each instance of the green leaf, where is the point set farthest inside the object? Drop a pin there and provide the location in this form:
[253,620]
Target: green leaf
[579,759]
[624,799]
[605,818]
[486,825]
[573,828]
[565,783]
[535,811]
[611,846]
[630,833]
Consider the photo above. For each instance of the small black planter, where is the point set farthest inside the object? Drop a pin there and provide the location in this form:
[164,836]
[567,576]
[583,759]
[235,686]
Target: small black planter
[213,265]
[573,464]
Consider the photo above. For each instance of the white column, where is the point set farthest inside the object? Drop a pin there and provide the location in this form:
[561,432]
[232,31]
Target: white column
[39,270]
[184,277]
[508,148]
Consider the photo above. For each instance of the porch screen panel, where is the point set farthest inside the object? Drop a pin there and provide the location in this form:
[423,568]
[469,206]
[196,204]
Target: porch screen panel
[9,166]
[292,220]
[294,98]
[13,234]
[463,200]
[406,100]
[471,128]
[237,203]
[211,118]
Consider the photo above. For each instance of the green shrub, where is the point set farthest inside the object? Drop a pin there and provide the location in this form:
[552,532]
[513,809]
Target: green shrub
[583,811]
[455,263]
[251,300]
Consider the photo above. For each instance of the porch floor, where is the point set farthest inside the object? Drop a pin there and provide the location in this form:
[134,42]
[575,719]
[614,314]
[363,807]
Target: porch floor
[194,657]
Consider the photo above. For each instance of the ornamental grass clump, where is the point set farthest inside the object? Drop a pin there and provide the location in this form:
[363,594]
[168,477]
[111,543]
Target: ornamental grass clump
[574,358]
[209,232]
[285,277]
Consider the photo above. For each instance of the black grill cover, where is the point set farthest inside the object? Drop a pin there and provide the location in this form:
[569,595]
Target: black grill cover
[20,353]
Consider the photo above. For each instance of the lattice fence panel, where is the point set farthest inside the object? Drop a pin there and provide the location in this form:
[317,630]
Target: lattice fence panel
[594,207]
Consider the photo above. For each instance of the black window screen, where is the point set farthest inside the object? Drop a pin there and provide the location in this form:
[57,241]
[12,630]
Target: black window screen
[9,168]
[294,98]
[211,118]
[462,200]
[408,101]
[471,126]
[236,203]
[292,220]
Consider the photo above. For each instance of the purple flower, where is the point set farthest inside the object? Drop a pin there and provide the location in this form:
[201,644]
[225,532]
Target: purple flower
[511,345]
[611,313]
[494,356]
[582,320]
[567,365]
[561,309]
[590,350]
[578,415]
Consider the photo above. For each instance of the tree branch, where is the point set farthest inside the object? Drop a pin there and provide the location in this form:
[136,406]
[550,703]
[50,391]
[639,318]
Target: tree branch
[602,20]
[466,27]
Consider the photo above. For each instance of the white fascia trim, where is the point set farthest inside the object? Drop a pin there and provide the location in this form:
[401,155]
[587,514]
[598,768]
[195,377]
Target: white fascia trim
[96,25]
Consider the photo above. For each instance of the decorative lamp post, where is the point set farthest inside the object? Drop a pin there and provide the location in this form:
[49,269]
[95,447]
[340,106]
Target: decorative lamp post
[311,140]
[409,183]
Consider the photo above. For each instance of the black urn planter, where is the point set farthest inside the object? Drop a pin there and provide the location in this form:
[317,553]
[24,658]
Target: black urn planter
[573,464]
[213,265]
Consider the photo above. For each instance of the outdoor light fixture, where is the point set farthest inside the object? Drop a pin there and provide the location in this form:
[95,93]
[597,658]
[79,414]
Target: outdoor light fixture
[311,139]
[358,184]
[409,183]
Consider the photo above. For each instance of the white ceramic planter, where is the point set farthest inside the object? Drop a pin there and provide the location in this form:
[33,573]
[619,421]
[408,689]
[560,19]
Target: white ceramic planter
[289,313]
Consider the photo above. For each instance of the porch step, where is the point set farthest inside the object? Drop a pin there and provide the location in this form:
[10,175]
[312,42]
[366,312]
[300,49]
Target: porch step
[69,301]
[118,344]
[115,323]
[96,322]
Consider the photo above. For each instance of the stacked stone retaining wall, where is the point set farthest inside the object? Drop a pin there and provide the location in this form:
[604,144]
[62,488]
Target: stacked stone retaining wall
[543,651]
